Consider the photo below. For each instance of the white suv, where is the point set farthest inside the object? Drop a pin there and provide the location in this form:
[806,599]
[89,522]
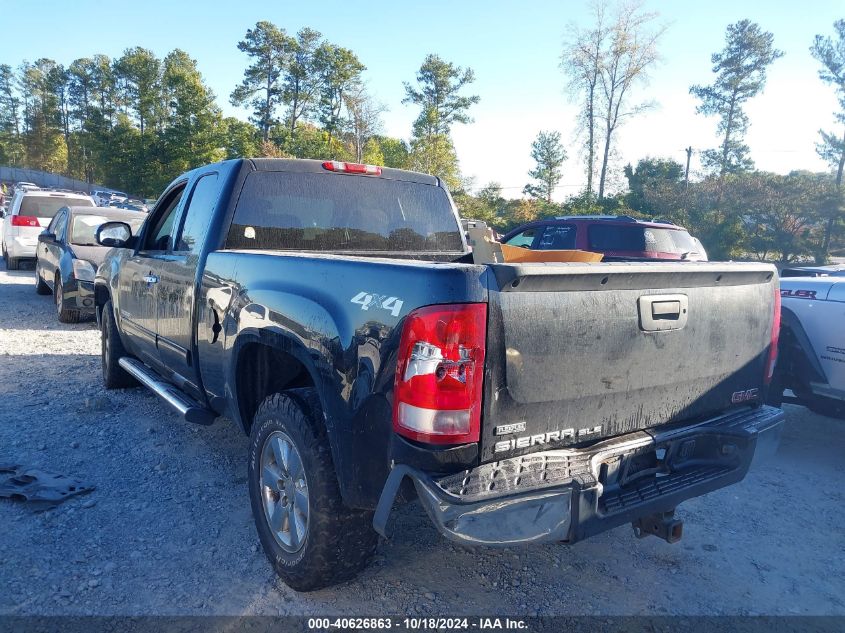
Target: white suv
[28,214]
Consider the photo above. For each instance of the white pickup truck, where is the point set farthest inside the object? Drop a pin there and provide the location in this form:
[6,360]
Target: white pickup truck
[811,359]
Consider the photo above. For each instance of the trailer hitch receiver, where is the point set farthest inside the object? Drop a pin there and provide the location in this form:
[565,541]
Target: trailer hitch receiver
[663,525]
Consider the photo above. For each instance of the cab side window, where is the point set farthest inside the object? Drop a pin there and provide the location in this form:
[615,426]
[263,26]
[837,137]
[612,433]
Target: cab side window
[557,237]
[159,236]
[60,228]
[524,239]
[198,215]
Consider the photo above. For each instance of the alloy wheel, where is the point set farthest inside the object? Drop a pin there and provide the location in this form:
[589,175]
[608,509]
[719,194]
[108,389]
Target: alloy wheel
[284,491]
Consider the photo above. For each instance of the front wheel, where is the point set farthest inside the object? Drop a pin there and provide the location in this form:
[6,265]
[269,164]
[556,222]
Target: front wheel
[310,537]
[40,287]
[66,315]
[111,350]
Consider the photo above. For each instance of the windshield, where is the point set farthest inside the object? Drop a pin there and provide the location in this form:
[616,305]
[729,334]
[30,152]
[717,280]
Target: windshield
[84,230]
[613,237]
[308,211]
[46,206]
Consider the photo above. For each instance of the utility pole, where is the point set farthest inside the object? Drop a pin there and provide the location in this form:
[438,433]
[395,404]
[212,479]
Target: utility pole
[686,173]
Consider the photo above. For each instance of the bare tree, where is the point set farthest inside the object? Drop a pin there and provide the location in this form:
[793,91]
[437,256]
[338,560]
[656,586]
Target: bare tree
[581,63]
[364,117]
[631,51]
[603,64]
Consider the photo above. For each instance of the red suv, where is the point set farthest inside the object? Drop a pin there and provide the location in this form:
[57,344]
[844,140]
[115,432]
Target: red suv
[618,237]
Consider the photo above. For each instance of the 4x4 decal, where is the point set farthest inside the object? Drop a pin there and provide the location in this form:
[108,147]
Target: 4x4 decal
[369,300]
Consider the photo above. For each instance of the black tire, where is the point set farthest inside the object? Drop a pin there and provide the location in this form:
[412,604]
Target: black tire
[66,315]
[111,350]
[338,542]
[826,406]
[12,263]
[40,287]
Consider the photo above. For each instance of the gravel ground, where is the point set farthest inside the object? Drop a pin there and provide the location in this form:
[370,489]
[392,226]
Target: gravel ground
[168,529]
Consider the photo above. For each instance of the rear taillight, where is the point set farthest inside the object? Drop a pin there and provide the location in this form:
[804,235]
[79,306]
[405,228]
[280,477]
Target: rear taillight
[773,344]
[24,220]
[439,374]
[352,168]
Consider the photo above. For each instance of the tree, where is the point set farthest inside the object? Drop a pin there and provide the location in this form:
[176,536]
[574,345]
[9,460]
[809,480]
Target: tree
[394,151]
[262,88]
[631,51]
[548,154]
[82,89]
[241,139]
[435,155]
[740,75]
[581,63]
[437,94]
[302,79]
[364,118]
[831,55]
[340,73]
[781,213]
[12,150]
[46,146]
[194,132]
[138,75]
[649,175]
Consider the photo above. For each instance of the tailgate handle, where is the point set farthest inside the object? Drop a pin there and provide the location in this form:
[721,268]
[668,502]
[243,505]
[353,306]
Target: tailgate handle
[659,313]
[669,310]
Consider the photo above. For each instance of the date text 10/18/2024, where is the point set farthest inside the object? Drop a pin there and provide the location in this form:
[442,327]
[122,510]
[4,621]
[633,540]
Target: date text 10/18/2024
[421,623]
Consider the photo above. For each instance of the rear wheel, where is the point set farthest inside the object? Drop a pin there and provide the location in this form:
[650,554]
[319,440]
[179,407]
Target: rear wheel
[40,287]
[111,350]
[12,263]
[66,315]
[311,539]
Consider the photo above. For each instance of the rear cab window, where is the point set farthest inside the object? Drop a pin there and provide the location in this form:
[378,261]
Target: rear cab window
[331,212]
[615,237]
[47,206]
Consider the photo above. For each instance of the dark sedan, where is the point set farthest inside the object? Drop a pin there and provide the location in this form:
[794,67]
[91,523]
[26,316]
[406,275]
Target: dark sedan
[68,255]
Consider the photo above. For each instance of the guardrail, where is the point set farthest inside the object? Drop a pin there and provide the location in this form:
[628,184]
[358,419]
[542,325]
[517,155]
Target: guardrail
[46,179]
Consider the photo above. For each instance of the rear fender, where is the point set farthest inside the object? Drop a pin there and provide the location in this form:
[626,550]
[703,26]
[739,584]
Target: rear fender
[799,348]
[316,368]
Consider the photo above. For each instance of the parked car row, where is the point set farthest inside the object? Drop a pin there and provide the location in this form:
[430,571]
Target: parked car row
[30,211]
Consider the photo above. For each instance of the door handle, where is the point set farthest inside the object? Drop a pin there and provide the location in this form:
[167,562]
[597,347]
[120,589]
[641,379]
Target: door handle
[151,279]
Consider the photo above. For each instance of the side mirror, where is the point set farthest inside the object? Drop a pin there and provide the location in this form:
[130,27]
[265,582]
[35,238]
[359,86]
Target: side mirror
[113,234]
[45,237]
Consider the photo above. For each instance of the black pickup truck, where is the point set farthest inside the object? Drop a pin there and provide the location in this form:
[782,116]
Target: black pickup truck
[334,312]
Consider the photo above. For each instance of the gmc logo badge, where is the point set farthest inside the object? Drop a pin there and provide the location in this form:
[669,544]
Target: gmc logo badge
[744,396]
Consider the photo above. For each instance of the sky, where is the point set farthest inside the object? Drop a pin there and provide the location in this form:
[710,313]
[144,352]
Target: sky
[514,49]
